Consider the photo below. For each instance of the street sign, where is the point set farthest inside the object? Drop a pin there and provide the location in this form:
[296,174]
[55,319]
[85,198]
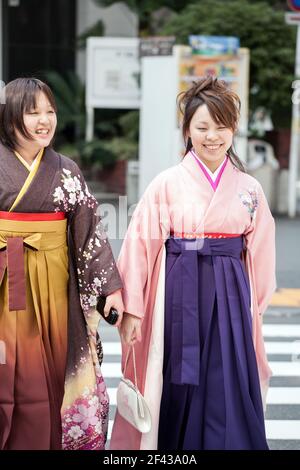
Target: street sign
[113,73]
[294,5]
[292,18]
[214,45]
[157,45]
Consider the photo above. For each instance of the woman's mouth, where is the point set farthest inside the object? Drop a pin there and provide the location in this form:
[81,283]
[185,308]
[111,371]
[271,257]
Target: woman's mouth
[212,146]
[43,133]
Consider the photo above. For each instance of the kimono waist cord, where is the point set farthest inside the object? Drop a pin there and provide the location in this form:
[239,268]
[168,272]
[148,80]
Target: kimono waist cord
[185,344]
[14,236]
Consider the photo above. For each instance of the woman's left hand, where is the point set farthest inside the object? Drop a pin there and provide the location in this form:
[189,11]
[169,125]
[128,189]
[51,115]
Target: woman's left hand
[115,300]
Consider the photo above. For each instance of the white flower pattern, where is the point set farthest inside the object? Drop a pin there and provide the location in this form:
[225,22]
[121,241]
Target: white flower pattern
[249,199]
[72,192]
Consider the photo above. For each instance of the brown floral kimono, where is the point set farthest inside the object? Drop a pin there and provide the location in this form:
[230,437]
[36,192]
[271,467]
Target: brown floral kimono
[55,261]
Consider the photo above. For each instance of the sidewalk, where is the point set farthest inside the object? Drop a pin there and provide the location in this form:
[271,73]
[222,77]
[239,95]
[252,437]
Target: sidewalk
[287,263]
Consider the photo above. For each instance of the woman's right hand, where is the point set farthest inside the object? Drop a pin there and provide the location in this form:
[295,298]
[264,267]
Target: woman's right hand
[130,329]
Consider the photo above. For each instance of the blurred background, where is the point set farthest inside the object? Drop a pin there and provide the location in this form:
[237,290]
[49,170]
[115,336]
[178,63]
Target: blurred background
[48,39]
[116,68]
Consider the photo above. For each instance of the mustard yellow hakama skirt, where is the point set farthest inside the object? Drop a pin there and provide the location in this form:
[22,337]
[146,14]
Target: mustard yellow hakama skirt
[34,340]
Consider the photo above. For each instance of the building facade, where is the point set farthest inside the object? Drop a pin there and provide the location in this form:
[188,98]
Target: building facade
[38,36]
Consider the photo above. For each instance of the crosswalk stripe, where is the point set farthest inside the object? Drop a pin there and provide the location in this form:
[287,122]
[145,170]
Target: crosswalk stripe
[276,347]
[276,396]
[111,348]
[282,429]
[111,369]
[281,330]
[287,347]
[110,425]
[283,396]
[275,429]
[112,393]
[284,369]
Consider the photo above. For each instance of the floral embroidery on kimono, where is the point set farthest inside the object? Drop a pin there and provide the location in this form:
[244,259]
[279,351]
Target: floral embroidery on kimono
[72,192]
[85,423]
[250,201]
[89,291]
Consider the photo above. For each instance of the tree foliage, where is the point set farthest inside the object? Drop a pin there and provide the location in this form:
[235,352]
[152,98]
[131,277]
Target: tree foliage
[260,26]
[262,29]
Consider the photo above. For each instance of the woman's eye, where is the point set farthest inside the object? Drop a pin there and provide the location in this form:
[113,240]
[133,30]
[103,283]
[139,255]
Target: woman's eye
[202,129]
[223,127]
[51,111]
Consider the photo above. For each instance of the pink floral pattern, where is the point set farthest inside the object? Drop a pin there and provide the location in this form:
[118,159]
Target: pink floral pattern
[85,423]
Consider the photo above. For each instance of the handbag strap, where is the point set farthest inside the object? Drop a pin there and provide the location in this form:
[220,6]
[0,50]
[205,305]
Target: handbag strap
[134,364]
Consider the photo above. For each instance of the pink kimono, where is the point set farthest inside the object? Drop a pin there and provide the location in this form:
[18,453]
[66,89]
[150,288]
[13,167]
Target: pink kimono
[182,200]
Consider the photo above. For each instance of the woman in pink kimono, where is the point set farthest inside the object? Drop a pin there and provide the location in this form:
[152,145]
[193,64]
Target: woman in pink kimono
[198,271]
[55,261]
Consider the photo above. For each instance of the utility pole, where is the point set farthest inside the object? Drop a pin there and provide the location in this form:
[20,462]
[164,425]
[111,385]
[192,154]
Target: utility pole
[294,182]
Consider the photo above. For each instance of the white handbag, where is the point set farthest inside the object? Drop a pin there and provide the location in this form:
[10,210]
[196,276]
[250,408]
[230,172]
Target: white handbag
[131,404]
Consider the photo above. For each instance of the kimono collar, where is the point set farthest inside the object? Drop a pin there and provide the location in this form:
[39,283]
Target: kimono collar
[213,178]
[34,162]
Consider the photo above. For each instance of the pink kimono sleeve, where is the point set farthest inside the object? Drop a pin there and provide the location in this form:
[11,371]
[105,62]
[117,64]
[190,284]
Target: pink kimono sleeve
[260,243]
[141,247]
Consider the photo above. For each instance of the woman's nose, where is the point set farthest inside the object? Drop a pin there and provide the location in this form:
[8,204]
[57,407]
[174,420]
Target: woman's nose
[211,135]
[44,118]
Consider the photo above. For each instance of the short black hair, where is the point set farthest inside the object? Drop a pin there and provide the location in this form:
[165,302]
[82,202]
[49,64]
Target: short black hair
[17,97]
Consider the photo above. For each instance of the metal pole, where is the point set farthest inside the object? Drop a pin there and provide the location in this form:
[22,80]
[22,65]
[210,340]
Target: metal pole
[89,131]
[295,139]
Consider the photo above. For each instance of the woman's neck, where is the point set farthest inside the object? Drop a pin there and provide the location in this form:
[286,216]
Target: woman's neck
[28,154]
[211,165]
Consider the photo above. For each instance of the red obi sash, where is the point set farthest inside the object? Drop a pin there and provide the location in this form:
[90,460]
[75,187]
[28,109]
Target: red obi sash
[32,216]
[192,235]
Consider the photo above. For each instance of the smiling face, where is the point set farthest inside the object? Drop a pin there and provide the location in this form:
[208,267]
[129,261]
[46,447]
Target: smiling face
[210,140]
[40,123]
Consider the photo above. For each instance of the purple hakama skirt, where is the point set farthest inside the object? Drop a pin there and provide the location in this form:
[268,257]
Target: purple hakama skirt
[211,394]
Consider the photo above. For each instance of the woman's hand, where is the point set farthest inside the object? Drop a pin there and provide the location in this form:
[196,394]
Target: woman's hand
[115,300]
[130,329]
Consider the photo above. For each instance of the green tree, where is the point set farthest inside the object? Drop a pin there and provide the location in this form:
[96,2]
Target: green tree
[262,29]
[144,9]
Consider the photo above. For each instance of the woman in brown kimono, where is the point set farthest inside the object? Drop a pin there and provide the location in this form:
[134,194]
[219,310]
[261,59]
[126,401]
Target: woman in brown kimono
[55,261]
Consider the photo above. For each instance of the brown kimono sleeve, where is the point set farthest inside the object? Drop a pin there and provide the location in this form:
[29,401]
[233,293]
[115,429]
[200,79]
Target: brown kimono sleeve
[92,255]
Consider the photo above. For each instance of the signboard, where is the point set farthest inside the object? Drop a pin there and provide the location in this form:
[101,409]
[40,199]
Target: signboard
[292,18]
[214,45]
[294,4]
[113,73]
[158,45]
